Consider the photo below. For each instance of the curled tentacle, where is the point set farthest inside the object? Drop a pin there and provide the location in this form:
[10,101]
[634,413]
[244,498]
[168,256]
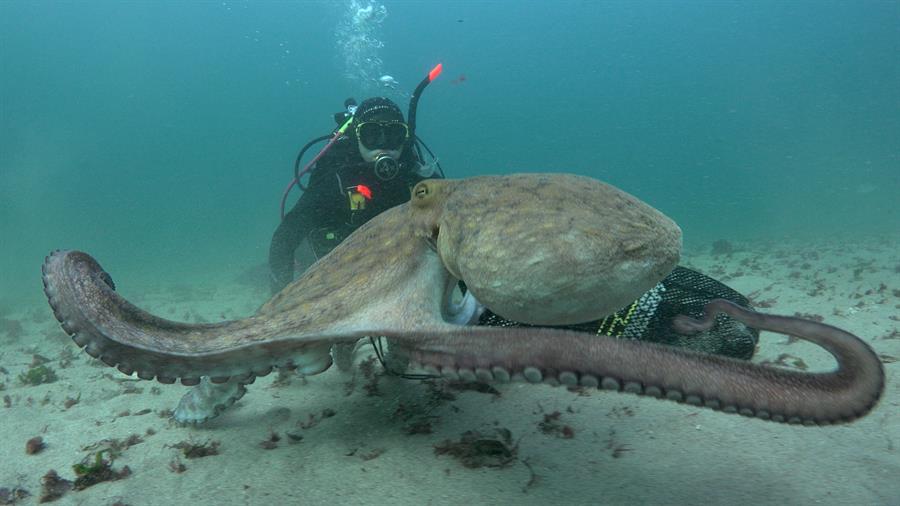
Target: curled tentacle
[122,335]
[721,383]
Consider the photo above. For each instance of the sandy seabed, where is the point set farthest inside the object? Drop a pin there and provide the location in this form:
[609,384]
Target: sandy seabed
[368,438]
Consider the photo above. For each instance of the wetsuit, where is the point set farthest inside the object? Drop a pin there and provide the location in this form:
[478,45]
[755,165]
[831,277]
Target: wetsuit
[328,211]
[683,291]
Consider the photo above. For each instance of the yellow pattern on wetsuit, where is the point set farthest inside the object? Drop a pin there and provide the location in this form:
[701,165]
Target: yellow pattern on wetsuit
[614,324]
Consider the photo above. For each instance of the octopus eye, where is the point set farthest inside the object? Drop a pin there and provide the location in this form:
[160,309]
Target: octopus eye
[421,191]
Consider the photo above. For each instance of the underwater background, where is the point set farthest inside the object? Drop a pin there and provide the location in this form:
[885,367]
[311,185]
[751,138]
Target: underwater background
[159,135]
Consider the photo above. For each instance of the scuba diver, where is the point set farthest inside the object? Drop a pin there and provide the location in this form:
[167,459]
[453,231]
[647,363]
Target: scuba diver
[370,164]
[368,169]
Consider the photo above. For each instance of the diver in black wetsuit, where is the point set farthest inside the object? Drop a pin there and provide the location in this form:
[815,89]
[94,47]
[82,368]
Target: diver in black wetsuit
[364,173]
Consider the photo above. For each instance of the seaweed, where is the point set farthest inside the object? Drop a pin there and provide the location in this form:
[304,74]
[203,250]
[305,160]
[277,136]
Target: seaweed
[35,445]
[787,360]
[90,472]
[114,447]
[620,412]
[417,417]
[418,421]
[756,302]
[193,450]
[474,449]
[551,425]
[437,393]
[53,487]
[368,369]
[12,495]
[819,289]
[38,375]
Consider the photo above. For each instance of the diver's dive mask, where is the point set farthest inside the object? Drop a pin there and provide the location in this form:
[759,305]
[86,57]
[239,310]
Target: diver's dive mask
[382,134]
[386,167]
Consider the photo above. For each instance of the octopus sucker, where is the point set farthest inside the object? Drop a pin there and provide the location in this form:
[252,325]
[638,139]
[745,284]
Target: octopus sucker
[466,375]
[568,378]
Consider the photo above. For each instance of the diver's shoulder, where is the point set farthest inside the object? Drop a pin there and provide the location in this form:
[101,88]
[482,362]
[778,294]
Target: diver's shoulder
[343,152]
[342,147]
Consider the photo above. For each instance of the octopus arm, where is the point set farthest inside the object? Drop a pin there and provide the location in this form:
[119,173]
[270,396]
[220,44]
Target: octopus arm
[564,357]
[108,327]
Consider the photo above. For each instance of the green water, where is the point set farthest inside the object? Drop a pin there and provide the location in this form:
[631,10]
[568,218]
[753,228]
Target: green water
[158,135]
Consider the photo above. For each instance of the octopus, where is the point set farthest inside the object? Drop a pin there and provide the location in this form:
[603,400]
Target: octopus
[544,249]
